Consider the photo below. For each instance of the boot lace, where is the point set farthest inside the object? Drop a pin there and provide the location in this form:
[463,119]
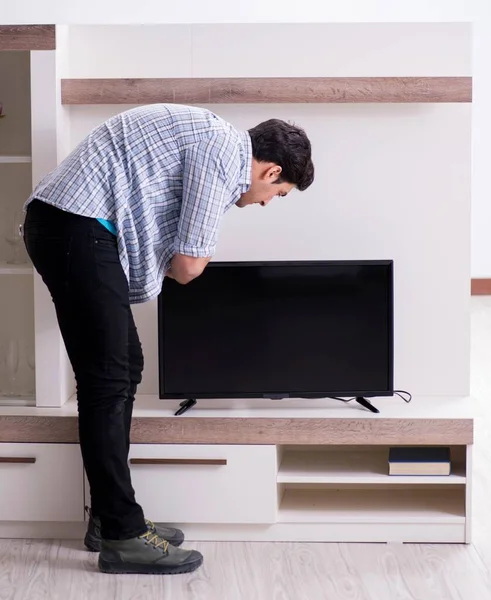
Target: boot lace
[152,538]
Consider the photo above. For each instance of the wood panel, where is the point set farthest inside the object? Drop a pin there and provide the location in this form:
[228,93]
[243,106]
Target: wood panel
[196,430]
[267,90]
[27,37]
[51,430]
[481,287]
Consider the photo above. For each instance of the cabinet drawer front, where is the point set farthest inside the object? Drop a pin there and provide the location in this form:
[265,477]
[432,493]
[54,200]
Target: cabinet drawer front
[41,482]
[205,484]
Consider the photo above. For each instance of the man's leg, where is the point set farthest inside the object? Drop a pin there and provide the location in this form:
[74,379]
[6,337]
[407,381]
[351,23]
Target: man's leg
[171,534]
[78,260]
[135,356]
[136,362]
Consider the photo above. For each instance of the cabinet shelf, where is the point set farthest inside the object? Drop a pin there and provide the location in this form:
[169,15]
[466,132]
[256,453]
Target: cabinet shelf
[258,90]
[27,37]
[353,467]
[15,159]
[25,400]
[433,506]
[6,269]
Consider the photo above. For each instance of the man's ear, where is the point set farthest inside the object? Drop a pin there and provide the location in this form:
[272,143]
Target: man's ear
[272,173]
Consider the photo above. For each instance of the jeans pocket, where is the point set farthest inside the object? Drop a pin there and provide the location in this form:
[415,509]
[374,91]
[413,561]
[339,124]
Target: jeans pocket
[106,257]
[106,250]
[104,238]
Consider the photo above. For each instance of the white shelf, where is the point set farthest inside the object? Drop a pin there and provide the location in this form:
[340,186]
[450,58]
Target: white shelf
[6,269]
[350,467]
[15,159]
[374,506]
[17,400]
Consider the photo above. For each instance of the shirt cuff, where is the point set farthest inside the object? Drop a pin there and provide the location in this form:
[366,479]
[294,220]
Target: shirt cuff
[194,251]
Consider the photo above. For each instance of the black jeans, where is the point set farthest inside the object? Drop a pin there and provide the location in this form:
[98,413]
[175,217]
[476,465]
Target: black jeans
[77,258]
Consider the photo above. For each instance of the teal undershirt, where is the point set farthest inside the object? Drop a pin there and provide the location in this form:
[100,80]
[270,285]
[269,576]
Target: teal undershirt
[108,225]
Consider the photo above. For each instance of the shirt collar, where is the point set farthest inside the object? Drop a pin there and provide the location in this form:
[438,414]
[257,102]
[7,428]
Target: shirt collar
[245,175]
[245,178]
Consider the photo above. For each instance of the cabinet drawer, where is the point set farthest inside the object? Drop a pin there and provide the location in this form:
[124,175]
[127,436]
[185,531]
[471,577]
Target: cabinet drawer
[41,482]
[205,484]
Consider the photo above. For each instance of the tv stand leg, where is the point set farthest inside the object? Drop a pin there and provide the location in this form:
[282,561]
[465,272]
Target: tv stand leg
[364,402]
[185,406]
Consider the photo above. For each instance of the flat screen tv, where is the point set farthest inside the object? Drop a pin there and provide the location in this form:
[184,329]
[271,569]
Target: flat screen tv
[278,330]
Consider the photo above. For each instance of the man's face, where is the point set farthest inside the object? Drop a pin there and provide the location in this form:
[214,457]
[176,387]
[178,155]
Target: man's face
[263,185]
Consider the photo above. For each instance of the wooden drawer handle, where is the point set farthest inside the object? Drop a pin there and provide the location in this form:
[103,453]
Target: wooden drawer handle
[17,459]
[178,461]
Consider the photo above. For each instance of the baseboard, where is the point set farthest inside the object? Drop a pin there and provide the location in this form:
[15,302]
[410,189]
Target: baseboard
[481,287]
[411,531]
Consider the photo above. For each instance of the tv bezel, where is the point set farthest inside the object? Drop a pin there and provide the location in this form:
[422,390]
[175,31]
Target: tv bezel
[286,394]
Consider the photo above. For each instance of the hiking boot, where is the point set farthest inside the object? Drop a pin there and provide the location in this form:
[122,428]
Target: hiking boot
[149,554]
[92,541]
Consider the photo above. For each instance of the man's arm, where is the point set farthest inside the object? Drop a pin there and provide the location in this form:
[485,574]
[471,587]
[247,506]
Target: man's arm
[186,268]
[209,174]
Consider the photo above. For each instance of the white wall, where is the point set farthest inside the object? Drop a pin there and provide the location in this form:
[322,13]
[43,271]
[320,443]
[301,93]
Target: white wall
[393,181]
[481,147]
[270,50]
[224,11]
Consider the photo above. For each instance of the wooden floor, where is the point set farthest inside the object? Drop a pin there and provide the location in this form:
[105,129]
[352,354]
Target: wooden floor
[62,570]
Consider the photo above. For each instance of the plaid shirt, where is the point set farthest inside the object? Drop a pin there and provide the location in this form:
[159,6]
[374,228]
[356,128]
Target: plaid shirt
[163,175]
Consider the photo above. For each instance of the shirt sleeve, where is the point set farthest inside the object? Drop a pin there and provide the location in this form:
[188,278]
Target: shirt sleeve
[208,179]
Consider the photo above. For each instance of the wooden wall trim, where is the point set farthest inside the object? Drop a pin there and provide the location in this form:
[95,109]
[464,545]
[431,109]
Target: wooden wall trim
[301,431]
[267,90]
[481,287]
[27,37]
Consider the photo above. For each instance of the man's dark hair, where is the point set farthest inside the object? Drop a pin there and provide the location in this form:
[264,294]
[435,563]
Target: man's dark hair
[287,146]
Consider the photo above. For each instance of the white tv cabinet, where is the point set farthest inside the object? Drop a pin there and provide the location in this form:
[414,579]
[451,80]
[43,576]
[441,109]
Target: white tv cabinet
[251,470]
[293,470]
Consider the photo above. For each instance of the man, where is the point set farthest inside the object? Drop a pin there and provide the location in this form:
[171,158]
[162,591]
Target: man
[140,198]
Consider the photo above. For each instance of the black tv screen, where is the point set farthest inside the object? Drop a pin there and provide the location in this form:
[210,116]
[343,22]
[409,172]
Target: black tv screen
[278,329]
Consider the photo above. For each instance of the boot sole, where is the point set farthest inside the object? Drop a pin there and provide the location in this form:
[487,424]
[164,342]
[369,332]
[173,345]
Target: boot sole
[93,543]
[127,568]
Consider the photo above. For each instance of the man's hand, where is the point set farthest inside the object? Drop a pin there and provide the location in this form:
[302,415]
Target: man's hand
[186,268]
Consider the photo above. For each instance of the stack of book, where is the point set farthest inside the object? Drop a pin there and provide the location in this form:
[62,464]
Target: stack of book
[419,460]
